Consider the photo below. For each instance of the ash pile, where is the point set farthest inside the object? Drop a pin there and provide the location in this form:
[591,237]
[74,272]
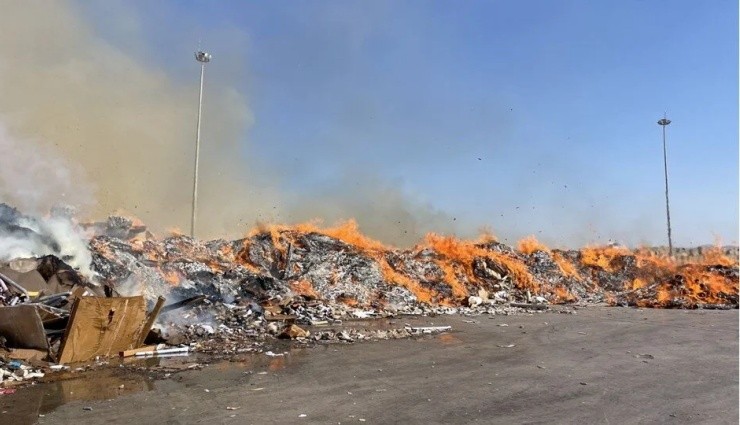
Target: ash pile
[302,283]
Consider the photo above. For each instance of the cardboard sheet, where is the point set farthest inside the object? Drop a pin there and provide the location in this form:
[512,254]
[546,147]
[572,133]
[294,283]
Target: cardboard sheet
[30,280]
[28,354]
[22,327]
[102,327]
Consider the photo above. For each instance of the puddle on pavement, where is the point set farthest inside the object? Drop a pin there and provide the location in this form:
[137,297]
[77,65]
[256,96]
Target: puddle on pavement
[380,323]
[105,383]
[27,403]
[284,357]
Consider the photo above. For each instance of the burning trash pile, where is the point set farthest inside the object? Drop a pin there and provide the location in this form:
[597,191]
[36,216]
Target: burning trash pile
[325,274]
[67,298]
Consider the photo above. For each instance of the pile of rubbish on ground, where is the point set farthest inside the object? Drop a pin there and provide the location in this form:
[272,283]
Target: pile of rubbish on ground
[72,292]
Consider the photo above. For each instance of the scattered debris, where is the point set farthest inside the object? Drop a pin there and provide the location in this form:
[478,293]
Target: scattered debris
[294,332]
[161,351]
[531,306]
[428,329]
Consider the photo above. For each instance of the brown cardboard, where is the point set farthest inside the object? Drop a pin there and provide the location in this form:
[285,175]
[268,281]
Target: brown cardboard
[28,354]
[22,327]
[102,327]
[30,280]
[51,318]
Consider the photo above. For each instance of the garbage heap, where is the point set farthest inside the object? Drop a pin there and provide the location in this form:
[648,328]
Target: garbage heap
[340,268]
[122,287]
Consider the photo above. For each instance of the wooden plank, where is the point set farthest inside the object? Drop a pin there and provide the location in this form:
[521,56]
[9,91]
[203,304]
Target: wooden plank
[133,351]
[150,321]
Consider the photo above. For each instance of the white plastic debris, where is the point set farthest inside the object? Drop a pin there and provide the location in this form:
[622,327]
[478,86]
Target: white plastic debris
[164,352]
[428,329]
[59,367]
[364,314]
[474,301]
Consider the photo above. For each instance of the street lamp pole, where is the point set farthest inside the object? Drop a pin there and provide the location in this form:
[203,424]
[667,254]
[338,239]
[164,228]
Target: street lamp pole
[203,58]
[663,122]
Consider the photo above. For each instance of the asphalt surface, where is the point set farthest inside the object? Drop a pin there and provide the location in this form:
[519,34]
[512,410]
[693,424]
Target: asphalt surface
[601,365]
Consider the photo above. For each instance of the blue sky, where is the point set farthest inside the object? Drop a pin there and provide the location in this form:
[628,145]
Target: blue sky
[530,117]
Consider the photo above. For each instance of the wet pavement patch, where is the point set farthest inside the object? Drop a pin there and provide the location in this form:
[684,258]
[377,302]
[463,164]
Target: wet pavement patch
[27,403]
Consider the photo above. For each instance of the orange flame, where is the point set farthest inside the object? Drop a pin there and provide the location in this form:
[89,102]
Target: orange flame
[602,257]
[530,244]
[715,256]
[304,287]
[463,253]
[171,276]
[566,267]
[649,278]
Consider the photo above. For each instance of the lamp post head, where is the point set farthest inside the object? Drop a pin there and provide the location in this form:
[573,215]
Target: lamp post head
[664,121]
[202,56]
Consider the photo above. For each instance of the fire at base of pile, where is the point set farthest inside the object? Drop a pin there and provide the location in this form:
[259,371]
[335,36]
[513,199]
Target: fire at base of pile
[309,284]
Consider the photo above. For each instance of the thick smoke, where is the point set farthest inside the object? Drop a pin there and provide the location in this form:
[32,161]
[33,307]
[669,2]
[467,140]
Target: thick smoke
[36,179]
[24,236]
[129,126]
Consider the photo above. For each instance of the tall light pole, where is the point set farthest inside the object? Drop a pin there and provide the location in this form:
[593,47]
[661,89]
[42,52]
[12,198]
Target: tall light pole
[663,122]
[203,58]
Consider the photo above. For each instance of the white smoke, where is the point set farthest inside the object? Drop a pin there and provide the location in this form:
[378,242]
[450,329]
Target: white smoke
[35,178]
[45,236]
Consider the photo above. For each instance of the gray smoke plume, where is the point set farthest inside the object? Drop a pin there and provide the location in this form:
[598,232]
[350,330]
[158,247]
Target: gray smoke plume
[129,127]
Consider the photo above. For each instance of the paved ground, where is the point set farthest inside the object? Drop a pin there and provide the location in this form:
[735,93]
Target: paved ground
[602,365]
